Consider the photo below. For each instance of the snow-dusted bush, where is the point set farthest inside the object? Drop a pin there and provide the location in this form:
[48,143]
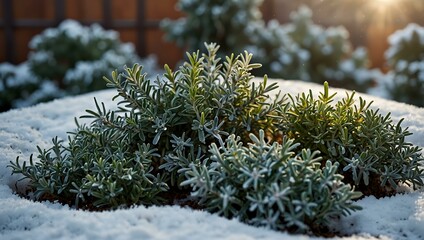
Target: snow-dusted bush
[405,57]
[67,60]
[208,131]
[298,50]
[220,21]
[306,51]
[76,57]
[20,88]
[370,148]
[268,184]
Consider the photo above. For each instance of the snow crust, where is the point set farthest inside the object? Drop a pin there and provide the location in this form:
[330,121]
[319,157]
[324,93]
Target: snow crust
[21,130]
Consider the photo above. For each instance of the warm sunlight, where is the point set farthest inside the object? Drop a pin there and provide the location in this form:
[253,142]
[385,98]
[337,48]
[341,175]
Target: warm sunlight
[384,12]
[385,1]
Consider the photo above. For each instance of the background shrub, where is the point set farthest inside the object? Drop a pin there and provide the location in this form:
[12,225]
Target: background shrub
[406,61]
[220,21]
[297,50]
[20,88]
[68,60]
[306,51]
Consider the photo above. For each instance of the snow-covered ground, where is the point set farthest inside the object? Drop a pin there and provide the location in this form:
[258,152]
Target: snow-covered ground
[398,217]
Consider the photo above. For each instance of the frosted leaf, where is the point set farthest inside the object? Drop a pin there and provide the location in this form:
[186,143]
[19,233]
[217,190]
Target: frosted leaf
[41,56]
[47,88]
[71,27]
[286,59]
[327,50]
[217,10]
[421,76]
[401,65]
[360,53]
[348,66]
[304,55]
[6,67]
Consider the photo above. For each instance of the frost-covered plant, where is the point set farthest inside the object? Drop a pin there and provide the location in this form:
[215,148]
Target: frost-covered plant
[68,60]
[306,51]
[76,57]
[268,184]
[208,130]
[20,88]
[129,156]
[371,149]
[405,57]
[298,50]
[220,21]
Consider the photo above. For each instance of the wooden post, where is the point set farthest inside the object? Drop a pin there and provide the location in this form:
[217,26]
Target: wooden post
[9,24]
[59,14]
[107,14]
[140,28]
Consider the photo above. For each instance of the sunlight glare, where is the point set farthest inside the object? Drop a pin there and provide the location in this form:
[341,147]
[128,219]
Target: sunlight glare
[385,11]
[385,1]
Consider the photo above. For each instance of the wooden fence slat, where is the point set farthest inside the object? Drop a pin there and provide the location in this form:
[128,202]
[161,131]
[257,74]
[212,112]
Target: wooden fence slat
[8,30]
[59,11]
[141,34]
[138,20]
[107,14]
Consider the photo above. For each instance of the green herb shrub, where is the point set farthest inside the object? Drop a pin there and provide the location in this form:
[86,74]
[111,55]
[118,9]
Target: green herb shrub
[371,150]
[161,127]
[269,185]
[406,60]
[209,137]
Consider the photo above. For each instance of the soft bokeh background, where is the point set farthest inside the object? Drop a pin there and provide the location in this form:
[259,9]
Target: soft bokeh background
[362,26]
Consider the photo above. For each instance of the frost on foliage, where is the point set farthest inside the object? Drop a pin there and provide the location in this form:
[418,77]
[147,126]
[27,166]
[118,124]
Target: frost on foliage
[298,50]
[71,59]
[58,50]
[222,21]
[370,148]
[406,61]
[134,155]
[267,184]
[208,130]
[306,51]
[19,87]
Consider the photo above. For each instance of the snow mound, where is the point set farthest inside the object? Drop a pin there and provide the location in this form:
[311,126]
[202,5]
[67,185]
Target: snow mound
[21,130]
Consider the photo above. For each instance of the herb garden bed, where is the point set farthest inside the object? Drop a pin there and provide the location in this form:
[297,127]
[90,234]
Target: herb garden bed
[397,217]
[211,136]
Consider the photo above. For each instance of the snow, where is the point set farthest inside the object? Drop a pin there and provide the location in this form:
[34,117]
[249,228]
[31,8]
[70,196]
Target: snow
[21,130]
[402,36]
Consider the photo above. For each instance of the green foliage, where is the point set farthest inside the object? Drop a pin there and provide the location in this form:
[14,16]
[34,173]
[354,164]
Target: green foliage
[405,59]
[210,131]
[370,148]
[19,88]
[269,185]
[304,50]
[68,60]
[174,120]
[58,51]
[297,50]
[220,21]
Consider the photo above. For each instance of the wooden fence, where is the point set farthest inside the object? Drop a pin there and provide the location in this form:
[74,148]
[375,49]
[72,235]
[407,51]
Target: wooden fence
[137,21]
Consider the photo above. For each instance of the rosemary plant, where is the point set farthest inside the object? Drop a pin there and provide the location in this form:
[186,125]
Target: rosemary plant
[207,136]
